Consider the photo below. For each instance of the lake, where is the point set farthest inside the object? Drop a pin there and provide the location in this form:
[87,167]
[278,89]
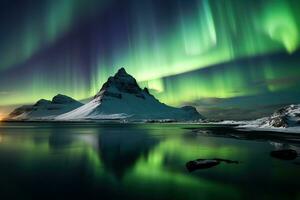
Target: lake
[142,161]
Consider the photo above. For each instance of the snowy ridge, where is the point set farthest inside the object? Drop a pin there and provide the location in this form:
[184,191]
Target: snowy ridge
[288,116]
[286,119]
[87,112]
[44,109]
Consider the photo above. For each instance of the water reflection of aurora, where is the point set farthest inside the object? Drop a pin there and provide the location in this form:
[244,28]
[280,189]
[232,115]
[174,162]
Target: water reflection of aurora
[138,159]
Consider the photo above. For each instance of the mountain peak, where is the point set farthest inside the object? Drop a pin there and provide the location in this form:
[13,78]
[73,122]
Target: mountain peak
[63,99]
[121,97]
[121,72]
[122,76]
[42,102]
[121,82]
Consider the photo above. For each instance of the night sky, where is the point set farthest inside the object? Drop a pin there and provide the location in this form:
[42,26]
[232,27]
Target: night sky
[231,59]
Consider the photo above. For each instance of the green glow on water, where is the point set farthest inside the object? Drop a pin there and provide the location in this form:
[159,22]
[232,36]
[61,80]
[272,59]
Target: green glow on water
[152,162]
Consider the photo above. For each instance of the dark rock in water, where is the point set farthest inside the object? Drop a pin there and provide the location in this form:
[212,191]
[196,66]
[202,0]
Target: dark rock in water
[285,154]
[201,164]
[206,163]
[227,161]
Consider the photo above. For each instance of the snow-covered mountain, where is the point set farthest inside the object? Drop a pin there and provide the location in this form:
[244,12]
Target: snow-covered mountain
[286,119]
[45,109]
[288,116]
[121,98]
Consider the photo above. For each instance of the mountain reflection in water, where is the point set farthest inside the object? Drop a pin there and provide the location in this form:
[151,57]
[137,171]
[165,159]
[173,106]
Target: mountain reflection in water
[138,161]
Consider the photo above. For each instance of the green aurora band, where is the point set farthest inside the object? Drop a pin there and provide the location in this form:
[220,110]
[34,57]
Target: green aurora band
[191,54]
[41,27]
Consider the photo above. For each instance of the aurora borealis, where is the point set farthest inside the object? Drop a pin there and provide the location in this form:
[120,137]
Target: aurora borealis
[218,55]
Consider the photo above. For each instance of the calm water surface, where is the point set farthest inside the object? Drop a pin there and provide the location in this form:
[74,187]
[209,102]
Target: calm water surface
[139,161]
